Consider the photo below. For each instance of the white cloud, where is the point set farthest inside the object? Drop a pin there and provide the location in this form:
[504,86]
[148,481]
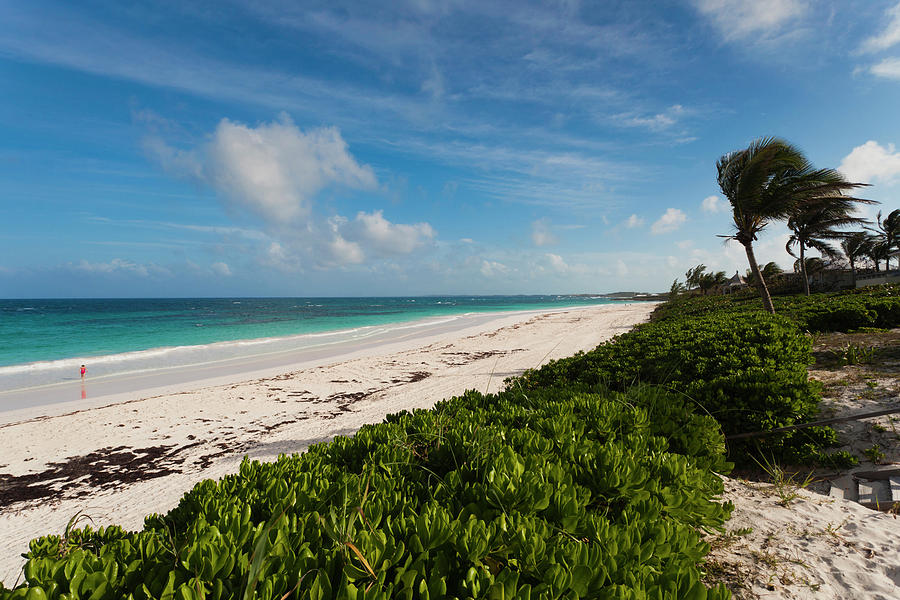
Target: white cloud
[889,68]
[671,220]
[621,268]
[541,234]
[713,204]
[491,268]
[119,265]
[557,262]
[386,238]
[685,244]
[634,221]
[889,36]
[871,162]
[275,169]
[737,19]
[222,269]
[338,249]
[657,122]
[180,163]
[276,255]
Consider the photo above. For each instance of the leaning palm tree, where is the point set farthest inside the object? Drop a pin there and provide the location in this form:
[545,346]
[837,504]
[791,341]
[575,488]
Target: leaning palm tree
[676,289]
[759,183]
[766,182]
[693,276]
[889,232]
[855,246]
[877,251]
[817,220]
[770,270]
[710,280]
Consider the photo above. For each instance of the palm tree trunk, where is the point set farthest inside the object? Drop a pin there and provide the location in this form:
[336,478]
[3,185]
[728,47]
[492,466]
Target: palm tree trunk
[760,282]
[803,270]
[853,270]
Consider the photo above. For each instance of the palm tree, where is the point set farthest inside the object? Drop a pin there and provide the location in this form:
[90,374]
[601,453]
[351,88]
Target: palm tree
[766,182]
[817,219]
[693,276]
[855,246]
[676,289]
[770,270]
[877,251]
[710,280]
[889,231]
[759,183]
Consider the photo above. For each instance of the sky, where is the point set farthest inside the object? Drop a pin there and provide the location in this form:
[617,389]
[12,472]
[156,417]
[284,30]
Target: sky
[271,148]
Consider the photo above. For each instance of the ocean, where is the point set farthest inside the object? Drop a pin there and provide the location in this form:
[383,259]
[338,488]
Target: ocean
[44,342]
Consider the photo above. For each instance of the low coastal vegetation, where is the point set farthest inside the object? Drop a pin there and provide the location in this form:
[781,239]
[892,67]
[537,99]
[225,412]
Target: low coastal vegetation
[594,476]
[556,493]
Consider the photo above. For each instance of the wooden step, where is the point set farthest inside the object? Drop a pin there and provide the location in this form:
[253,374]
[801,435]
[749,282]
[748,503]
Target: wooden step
[844,487]
[875,494]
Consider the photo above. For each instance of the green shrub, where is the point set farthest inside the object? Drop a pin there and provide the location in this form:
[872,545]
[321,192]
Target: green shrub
[748,371]
[547,496]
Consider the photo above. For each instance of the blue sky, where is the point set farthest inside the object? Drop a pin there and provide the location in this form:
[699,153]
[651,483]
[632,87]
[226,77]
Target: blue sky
[263,148]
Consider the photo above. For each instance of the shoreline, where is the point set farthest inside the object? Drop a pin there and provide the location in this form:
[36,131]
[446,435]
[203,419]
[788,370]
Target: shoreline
[336,318]
[138,455]
[18,403]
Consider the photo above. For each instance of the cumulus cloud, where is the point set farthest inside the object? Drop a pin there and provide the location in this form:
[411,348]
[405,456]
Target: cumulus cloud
[541,234]
[275,171]
[338,249]
[634,221]
[737,19]
[386,238]
[871,162]
[889,36]
[222,269]
[671,220]
[276,255]
[889,68]
[557,262]
[491,268]
[713,204]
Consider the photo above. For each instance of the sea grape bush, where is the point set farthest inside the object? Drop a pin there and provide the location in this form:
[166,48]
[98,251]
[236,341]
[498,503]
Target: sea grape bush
[548,495]
[747,370]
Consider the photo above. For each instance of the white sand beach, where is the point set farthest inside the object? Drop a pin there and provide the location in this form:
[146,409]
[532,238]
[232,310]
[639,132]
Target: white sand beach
[121,457]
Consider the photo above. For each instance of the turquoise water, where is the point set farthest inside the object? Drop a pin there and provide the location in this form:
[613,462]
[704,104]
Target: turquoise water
[39,331]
